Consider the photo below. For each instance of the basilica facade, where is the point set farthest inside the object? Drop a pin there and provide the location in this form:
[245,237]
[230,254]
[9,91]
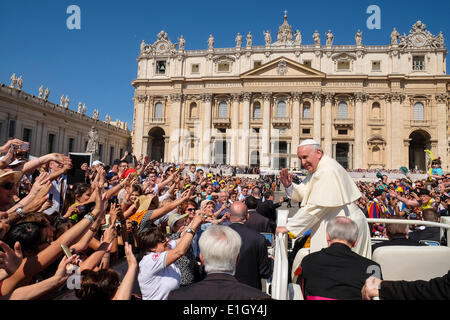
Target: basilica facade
[54,127]
[376,107]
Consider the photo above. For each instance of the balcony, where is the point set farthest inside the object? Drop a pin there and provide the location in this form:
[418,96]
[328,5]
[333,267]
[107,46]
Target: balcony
[306,121]
[222,122]
[192,120]
[376,122]
[256,120]
[419,123]
[285,121]
[343,123]
[154,121]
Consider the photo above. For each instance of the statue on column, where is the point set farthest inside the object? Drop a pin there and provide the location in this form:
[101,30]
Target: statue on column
[41,91]
[210,42]
[83,111]
[143,46]
[298,38]
[108,119]
[249,39]
[95,114]
[13,81]
[238,40]
[330,38]
[181,43]
[19,83]
[61,101]
[46,94]
[394,37]
[358,38]
[316,37]
[80,107]
[92,146]
[66,103]
[267,38]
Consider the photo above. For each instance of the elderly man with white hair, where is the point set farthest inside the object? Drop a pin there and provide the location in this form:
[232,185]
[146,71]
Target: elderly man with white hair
[219,252]
[327,192]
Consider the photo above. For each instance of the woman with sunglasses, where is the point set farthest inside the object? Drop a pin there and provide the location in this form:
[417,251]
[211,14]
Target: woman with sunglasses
[158,273]
[9,186]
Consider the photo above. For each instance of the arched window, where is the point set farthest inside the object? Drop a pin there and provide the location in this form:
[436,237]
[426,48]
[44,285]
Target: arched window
[281,109]
[257,110]
[193,110]
[223,110]
[159,111]
[376,110]
[306,114]
[418,112]
[342,110]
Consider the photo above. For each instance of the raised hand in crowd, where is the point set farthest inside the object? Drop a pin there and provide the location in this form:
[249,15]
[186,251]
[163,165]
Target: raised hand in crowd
[126,286]
[37,290]
[10,259]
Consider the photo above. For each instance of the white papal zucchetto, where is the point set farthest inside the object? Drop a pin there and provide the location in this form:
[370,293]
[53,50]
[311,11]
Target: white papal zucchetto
[309,142]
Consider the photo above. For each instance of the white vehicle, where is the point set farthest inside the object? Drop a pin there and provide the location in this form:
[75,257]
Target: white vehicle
[407,263]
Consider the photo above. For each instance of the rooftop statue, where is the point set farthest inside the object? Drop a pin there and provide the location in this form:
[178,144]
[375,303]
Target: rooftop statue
[358,38]
[238,40]
[267,38]
[210,42]
[249,39]
[316,37]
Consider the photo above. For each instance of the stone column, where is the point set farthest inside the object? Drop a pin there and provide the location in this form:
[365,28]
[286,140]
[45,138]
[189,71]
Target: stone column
[289,161]
[234,129]
[166,148]
[175,127]
[396,130]
[139,101]
[245,133]
[442,149]
[292,151]
[195,151]
[350,156]
[265,134]
[388,158]
[36,147]
[329,96]
[147,145]
[358,130]
[334,150]
[317,129]
[206,134]
[365,113]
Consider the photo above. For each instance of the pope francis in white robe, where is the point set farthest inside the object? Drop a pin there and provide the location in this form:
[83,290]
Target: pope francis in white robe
[326,193]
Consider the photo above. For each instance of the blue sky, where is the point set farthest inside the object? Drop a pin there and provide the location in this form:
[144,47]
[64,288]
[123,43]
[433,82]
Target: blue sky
[97,64]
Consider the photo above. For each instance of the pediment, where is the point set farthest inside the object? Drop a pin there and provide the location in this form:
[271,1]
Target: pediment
[283,68]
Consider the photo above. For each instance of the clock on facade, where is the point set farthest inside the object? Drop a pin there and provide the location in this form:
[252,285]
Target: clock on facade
[419,40]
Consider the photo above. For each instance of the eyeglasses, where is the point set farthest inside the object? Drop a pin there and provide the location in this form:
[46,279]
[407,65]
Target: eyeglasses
[190,209]
[8,185]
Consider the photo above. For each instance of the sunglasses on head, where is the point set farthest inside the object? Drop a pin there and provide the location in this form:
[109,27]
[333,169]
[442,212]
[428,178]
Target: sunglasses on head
[8,185]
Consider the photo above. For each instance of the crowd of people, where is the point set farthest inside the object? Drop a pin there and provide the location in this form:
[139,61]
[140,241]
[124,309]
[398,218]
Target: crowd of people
[427,199]
[185,231]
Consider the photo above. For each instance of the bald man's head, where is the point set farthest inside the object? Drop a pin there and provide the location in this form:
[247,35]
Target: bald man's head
[238,212]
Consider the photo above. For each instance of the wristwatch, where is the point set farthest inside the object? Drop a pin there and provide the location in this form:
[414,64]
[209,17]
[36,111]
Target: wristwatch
[89,217]
[19,212]
[191,231]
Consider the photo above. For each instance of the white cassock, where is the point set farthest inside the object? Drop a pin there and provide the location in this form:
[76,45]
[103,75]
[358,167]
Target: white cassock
[327,193]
